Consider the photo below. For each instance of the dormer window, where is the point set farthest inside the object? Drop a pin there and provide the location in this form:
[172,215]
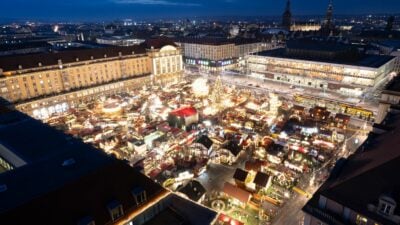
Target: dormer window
[139,194]
[385,208]
[386,205]
[115,209]
[88,220]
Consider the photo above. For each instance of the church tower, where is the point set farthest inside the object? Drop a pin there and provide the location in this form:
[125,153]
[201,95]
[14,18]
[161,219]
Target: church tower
[328,24]
[328,27]
[287,17]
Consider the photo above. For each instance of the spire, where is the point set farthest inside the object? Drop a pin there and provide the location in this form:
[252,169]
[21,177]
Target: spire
[288,6]
[329,13]
[287,16]
[328,26]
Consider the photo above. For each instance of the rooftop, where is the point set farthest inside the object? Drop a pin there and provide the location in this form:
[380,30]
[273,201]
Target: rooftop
[24,45]
[184,112]
[393,85]
[193,190]
[299,51]
[217,41]
[58,168]
[29,61]
[370,169]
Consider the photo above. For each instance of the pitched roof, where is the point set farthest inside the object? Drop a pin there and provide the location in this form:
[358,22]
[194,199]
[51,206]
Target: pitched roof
[233,147]
[88,195]
[261,179]
[240,175]
[236,192]
[206,141]
[184,112]
[371,169]
[194,190]
[64,180]
[28,61]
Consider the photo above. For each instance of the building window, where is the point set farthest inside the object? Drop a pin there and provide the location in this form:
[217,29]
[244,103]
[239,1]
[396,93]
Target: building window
[139,195]
[386,205]
[360,220]
[385,208]
[115,209]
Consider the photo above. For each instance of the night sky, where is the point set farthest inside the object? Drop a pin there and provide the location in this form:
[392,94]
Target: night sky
[153,9]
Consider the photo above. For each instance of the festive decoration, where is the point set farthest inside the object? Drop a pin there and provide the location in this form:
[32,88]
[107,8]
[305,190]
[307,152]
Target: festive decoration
[274,103]
[217,92]
[200,87]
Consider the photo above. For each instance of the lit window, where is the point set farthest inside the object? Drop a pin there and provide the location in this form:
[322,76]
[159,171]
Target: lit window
[360,220]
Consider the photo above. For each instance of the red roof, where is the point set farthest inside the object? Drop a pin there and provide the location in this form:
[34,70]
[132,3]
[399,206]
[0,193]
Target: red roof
[236,192]
[228,220]
[184,112]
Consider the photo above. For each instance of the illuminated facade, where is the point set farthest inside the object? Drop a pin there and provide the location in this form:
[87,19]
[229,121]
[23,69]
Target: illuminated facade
[167,62]
[305,27]
[218,54]
[350,79]
[53,82]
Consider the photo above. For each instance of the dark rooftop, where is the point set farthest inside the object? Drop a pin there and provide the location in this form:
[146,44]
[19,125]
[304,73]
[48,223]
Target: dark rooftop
[240,175]
[261,179]
[11,63]
[65,181]
[371,169]
[206,141]
[233,147]
[62,179]
[363,60]
[63,195]
[168,216]
[24,45]
[194,190]
[217,41]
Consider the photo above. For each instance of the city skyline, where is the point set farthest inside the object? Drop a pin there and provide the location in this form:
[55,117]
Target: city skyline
[154,9]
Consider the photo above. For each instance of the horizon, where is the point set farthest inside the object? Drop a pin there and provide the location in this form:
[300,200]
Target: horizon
[108,10]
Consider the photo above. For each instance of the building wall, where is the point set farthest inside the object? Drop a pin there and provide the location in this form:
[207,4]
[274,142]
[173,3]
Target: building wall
[209,51]
[219,57]
[167,63]
[305,27]
[19,86]
[42,91]
[397,61]
[388,98]
[348,80]
[44,107]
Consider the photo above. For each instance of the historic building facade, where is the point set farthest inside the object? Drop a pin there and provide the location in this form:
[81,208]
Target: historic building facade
[42,84]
